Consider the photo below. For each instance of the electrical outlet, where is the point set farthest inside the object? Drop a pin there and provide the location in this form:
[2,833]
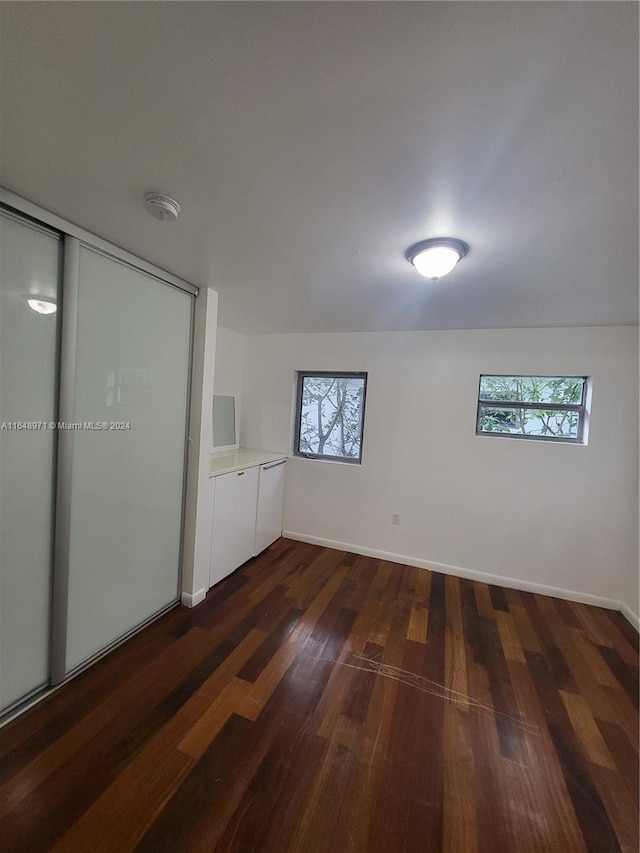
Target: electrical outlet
[395,518]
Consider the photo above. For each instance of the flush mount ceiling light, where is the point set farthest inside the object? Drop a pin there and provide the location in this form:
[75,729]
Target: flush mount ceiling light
[162,207]
[436,257]
[42,306]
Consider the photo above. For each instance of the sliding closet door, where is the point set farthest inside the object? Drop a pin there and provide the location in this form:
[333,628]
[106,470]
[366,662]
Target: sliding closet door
[29,270]
[127,450]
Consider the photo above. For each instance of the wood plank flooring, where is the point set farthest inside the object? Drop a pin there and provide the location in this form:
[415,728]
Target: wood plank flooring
[323,702]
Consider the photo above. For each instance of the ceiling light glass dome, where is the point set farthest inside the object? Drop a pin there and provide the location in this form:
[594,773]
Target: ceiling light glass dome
[436,257]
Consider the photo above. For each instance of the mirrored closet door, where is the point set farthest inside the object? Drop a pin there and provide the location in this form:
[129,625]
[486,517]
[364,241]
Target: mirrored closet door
[95,356]
[29,319]
[130,395]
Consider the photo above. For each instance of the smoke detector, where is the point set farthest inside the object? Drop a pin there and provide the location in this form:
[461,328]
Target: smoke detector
[162,207]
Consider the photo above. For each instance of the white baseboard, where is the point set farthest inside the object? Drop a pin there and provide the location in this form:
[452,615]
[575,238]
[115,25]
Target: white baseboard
[191,599]
[468,574]
[630,616]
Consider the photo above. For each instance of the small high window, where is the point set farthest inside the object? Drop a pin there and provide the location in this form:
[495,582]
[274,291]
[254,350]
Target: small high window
[549,408]
[330,415]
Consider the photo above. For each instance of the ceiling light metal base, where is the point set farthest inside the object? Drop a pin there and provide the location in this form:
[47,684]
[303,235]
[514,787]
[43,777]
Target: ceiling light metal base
[435,242]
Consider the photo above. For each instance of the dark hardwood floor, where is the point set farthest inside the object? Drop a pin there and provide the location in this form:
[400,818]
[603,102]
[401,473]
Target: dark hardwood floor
[323,702]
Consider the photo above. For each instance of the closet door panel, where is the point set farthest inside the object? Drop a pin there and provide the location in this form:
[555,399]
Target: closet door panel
[130,404]
[29,269]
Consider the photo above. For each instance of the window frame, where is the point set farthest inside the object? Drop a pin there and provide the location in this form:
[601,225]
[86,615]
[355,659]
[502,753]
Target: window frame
[580,408]
[327,374]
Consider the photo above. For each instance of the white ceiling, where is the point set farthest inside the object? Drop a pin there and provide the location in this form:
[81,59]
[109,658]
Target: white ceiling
[309,143]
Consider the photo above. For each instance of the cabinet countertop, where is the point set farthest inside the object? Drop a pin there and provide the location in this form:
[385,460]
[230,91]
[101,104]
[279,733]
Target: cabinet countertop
[234,460]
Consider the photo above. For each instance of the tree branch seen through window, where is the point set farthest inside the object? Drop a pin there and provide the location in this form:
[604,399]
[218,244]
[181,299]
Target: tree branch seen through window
[330,415]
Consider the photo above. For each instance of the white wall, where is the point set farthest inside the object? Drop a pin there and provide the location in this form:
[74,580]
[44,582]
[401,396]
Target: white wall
[230,353]
[199,507]
[631,595]
[554,514]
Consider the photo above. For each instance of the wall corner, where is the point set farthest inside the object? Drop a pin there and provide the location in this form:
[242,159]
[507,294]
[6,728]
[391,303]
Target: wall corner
[198,508]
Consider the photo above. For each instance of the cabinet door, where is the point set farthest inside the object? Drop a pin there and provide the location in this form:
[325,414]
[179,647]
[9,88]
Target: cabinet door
[270,498]
[234,521]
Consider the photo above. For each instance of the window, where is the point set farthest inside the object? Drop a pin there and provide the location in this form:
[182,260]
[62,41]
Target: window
[330,415]
[549,408]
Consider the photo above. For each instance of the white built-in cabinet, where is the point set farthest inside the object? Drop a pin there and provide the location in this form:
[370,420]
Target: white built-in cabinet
[235,499]
[247,508]
[270,499]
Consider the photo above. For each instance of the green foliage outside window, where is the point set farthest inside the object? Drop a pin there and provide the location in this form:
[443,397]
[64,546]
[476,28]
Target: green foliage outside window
[550,406]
